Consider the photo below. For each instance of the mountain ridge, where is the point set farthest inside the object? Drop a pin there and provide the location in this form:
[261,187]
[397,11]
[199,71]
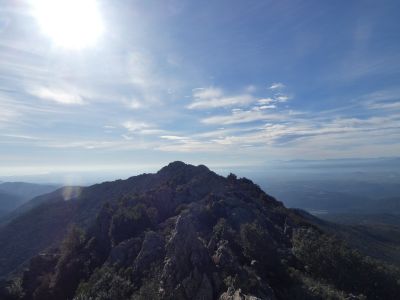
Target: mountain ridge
[181,233]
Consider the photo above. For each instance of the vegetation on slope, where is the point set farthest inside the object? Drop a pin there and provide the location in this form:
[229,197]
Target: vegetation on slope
[188,233]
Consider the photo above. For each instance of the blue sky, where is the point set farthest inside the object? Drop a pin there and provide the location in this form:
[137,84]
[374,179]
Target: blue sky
[223,83]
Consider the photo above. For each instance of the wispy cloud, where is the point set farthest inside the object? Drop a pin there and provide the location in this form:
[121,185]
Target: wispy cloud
[21,136]
[265,101]
[191,146]
[238,117]
[384,99]
[282,98]
[7,115]
[141,128]
[58,96]
[264,107]
[134,104]
[173,137]
[385,105]
[276,86]
[136,126]
[282,132]
[214,97]
[358,66]
[150,80]
[258,112]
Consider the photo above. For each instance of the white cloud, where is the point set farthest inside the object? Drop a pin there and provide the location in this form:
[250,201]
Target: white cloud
[21,136]
[384,99]
[385,105]
[135,126]
[57,95]
[134,104]
[251,88]
[277,98]
[109,127]
[100,144]
[213,98]
[191,146]
[126,137]
[7,114]
[267,107]
[263,107]
[282,98]
[150,82]
[173,137]
[265,101]
[207,93]
[237,118]
[276,86]
[152,131]
[142,128]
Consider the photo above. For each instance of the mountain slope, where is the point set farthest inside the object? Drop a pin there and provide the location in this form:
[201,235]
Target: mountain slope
[26,190]
[8,202]
[187,233]
[81,206]
[15,194]
[378,240]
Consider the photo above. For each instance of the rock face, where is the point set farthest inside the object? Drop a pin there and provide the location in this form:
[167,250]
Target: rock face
[182,233]
[231,294]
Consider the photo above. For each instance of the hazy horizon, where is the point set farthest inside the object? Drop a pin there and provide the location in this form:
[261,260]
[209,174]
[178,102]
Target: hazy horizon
[368,169]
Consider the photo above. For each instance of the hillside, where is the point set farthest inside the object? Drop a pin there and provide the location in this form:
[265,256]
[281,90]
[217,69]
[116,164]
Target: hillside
[15,194]
[182,233]
[8,202]
[377,236]
[26,190]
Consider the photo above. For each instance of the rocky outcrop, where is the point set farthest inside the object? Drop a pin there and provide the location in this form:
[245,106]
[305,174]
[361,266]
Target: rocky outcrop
[152,251]
[233,294]
[187,262]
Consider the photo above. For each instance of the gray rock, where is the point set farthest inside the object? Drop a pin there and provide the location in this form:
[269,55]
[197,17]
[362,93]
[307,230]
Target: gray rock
[223,255]
[232,294]
[186,260]
[125,252]
[152,250]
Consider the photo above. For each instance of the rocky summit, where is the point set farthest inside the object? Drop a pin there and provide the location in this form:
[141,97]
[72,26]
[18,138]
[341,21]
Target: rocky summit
[183,233]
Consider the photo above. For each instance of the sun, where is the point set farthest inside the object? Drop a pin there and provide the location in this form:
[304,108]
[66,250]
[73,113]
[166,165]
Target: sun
[72,24]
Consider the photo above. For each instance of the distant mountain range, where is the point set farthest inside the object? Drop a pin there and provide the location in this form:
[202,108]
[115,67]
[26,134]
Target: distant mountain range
[334,195]
[14,194]
[8,202]
[181,233]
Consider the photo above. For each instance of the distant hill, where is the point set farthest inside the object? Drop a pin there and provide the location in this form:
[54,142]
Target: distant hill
[376,235]
[26,191]
[8,202]
[181,233]
[337,195]
[14,194]
[373,219]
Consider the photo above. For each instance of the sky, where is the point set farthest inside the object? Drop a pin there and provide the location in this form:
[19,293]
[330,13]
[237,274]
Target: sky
[103,86]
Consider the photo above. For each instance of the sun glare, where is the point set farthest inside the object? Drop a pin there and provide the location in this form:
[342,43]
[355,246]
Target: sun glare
[73,24]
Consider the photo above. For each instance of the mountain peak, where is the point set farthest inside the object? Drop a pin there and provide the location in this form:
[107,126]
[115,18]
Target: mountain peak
[176,165]
[177,168]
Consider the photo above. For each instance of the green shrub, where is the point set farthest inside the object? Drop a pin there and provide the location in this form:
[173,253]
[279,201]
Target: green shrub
[325,257]
[106,283]
[127,222]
